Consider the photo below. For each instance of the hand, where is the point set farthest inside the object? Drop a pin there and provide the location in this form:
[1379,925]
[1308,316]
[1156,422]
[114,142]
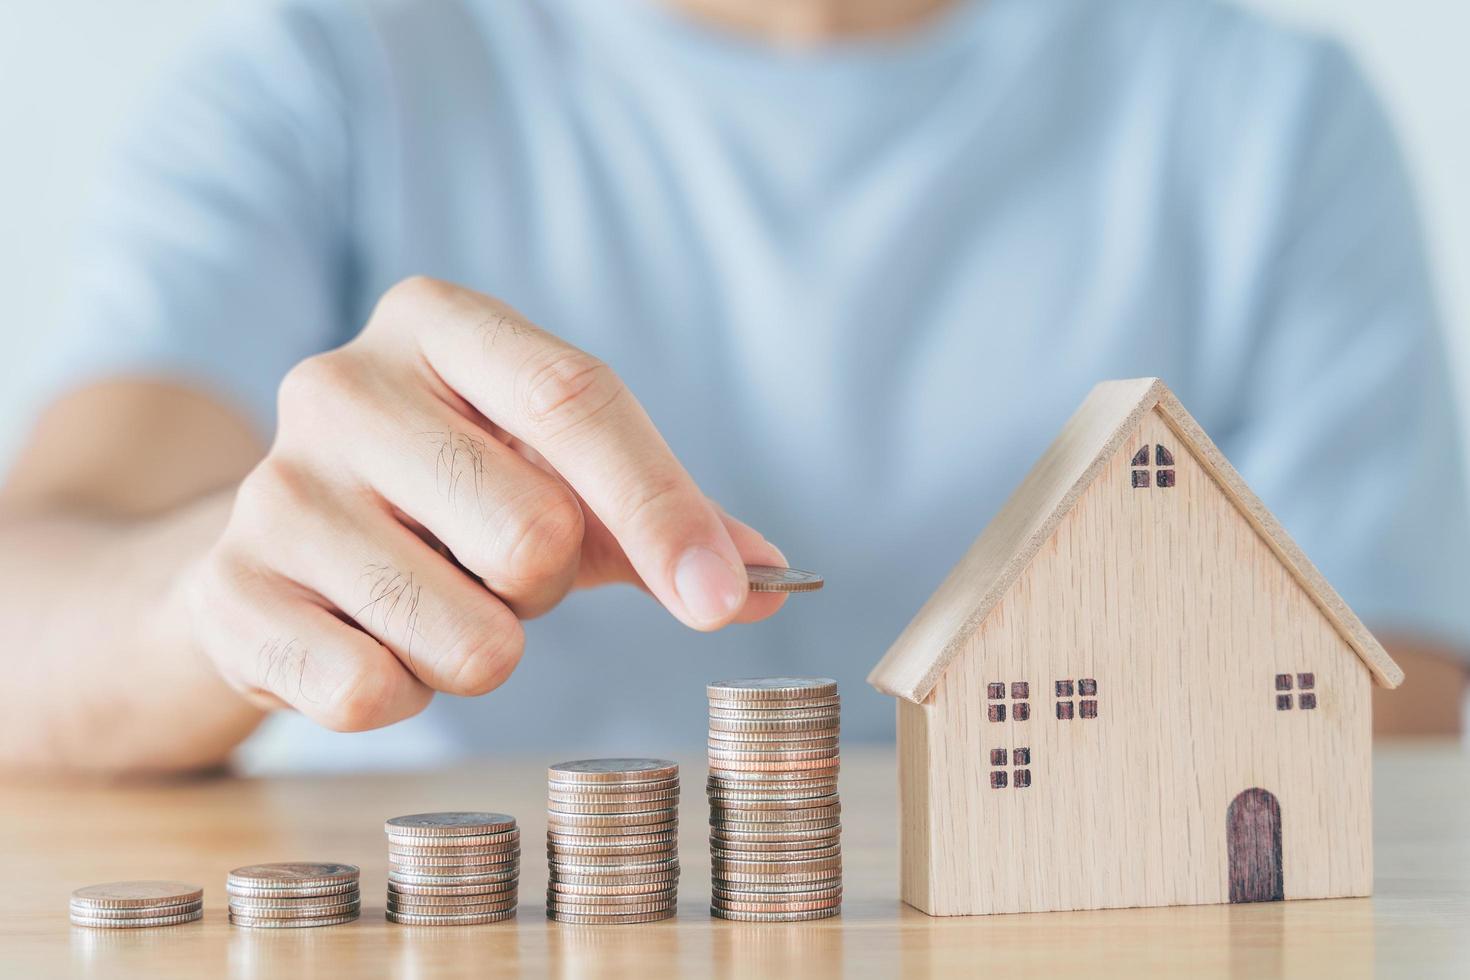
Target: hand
[451,471]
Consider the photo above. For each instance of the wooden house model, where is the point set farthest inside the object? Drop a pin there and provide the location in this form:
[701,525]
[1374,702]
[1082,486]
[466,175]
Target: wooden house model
[1133,690]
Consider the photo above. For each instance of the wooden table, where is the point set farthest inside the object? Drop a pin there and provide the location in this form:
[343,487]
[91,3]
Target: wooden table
[59,835]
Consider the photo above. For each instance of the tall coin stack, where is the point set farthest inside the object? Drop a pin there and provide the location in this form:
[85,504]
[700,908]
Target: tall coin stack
[775,817]
[452,869]
[612,840]
[293,895]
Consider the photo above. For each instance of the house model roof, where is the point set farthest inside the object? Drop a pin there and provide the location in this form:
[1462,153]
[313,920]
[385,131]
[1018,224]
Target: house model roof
[1095,433]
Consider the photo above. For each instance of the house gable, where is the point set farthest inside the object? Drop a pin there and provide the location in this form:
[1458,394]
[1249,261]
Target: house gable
[1089,441]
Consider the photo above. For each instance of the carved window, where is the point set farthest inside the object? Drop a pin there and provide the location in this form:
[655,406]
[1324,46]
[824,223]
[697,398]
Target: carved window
[1020,778]
[1163,473]
[1085,688]
[1306,697]
[1020,692]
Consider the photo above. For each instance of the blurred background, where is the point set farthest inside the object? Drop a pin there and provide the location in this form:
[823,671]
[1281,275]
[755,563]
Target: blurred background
[71,70]
[72,73]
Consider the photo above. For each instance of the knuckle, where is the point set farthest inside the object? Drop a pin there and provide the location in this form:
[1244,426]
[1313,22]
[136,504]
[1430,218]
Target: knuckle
[313,382]
[540,537]
[647,494]
[408,297]
[274,487]
[359,700]
[482,655]
[570,389]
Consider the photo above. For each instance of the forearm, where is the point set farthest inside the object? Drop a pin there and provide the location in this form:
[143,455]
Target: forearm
[103,671]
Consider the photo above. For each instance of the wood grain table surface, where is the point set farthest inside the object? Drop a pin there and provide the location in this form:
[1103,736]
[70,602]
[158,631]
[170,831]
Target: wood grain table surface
[59,835]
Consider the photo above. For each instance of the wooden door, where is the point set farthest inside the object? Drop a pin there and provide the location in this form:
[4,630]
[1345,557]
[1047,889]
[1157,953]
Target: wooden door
[1253,832]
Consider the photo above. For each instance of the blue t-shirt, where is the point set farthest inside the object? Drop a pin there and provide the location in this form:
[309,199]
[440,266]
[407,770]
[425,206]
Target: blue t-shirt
[859,288]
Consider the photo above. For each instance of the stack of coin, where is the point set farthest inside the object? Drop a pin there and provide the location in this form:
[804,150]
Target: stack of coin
[612,840]
[452,869]
[775,818]
[136,904]
[294,895]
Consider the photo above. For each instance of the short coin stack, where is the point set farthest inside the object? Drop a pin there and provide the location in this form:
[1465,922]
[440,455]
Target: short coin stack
[612,840]
[452,869]
[775,817]
[136,904]
[294,895]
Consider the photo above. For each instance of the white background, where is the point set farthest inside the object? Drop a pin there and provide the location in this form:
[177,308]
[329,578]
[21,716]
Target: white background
[71,69]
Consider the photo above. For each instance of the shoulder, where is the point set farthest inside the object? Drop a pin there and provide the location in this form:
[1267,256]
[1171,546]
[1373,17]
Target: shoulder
[1210,49]
[1248,111]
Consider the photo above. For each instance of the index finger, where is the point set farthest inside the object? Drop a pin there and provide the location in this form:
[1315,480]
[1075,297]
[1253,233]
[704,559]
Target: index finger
[575,411]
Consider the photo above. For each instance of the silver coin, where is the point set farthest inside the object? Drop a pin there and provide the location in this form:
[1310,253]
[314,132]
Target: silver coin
[453,891]
[286,874]
[625,796]
[396,904]
[134,912]
[774,904]
[800,707]
[667,896]
[558,819]
[622,856]
[612,770]
[775,916]
[612,841]
[784,737]
[255,922]
[467,864]
[275,912]
[451,824]
[736,816]
[314,891]
[816,853]
[802,803]
[771,688]
[613,809]
[573,908]
[762,893]
[146,922]
[136,894]
[777,777]
[755,866]
[795,796]
[406,901]
[586,788]
[613,859]
[559,915]
[579,868]
[414,878]
[443,850]
[613,881]
[448,842]
[413,919]
[573,832]
[813,879]
[772,578]
[308,904]
[774,847]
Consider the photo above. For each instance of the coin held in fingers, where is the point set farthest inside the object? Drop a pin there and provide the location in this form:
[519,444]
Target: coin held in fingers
[770,578]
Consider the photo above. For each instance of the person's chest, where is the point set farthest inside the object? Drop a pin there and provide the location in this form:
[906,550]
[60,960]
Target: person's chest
[858,334]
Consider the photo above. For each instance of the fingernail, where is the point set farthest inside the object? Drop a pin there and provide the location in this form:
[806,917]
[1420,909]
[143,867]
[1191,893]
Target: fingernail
[707,585]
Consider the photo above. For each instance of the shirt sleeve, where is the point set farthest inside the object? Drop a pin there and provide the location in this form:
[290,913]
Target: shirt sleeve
[215,252]
[1347,424]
